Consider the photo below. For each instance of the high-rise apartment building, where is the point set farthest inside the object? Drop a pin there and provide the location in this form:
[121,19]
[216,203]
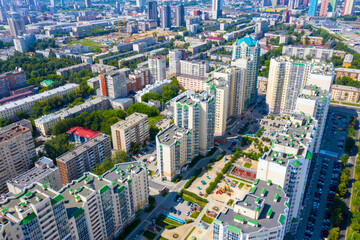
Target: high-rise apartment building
[134,129]
[87,3]
[348,7]
[157,66]
[91,207]
[287,77]
[152,10]
[312,8]
[175,56]
[266,207]
[3,15]
[17,150]
[324,8]
[315,102]
[175,146]
[113,83]
[179,16]
[139,79]
[12,81]
[194,68]
[216,8]
[44,172]
[16,24]
[288,161]
[83,158]
[197,112]
[165,17]
[140,4]
[332,5]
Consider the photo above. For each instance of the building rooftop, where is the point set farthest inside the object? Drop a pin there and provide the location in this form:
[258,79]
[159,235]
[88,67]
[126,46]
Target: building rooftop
[81,107]
[172,134]
[345,88]
[348,58]
[248,40]
[350,70]
[9,133]
[313,92]
[82,148]
[130,121]
[83,132]
[272,208]
[191,76]
[320,68]
[46,118]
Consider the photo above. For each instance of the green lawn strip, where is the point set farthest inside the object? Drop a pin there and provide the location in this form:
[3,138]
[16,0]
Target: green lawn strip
[195,214]
[166,222]
[230,202]
[241,185]
[189,233]
[207,219]
[247,165]
[149,235]
[154,120]
[129,229]
[193,200]
[162,238]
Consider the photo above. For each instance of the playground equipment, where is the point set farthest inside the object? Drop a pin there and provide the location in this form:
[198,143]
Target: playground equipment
[203,182]
[208,177]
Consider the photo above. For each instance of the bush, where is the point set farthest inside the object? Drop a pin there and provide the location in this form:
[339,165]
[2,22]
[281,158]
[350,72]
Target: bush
[193,195]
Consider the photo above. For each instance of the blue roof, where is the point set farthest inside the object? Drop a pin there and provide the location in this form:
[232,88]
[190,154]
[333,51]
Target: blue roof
[248,40]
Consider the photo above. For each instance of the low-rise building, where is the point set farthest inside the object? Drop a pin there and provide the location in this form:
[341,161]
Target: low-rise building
[261,214]
[94,82]
[348,60]
[191,82]
[134,129]
[46,123]
[74,163]
[196,48]
[262,84]
[74,68]
[308,51]
[44,172]
[135,58]
[156,87]
[99,68]
[81,135]
[348,72]
[343,93]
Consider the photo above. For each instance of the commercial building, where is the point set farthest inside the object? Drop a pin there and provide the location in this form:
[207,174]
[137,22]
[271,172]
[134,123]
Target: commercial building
[91,207]
[191,82]
[287,77]
[342,93]
[348,7]
[165,17]
[113,84]
[314,102]
[287,163]
[216,8]
[98,103]
[175,56]
[175,147]
[74,163]
[9,110]
[134,129]
[45,123]
[194,68]
[246,53]
[179,16]
[196,112]
[348,72]
[156,87]
[74,68]
[157,66]
[44,172]
[261,214]
[17,151]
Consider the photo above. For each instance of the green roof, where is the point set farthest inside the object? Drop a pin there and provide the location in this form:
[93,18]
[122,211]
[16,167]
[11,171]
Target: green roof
[28,194]
[257,209]
[309,155]
[253,222]
[197,105]
[46,184]
[185,107]
[4,210]
[263,191]
[129,181]
[217,221]
[239,218]
[113,168]
[78,212]
[281,219]
[104,189]
[189,133]
[301,64]
[252,190]
[269,212]
[178,105]
[87,179]
[19,194]
[234,229]
[287,204]
[268,181]
[276,197]
[257,199]
[28,218]
[296,163]
[56,199]
[256,181]
[177,144]
[122,188]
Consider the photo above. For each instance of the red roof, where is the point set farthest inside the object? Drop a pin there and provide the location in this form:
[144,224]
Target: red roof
[299,27]
[82,132]
[216,38]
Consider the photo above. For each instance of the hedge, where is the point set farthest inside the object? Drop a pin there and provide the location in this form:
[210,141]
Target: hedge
[218,158]
[194,195]
[189,182]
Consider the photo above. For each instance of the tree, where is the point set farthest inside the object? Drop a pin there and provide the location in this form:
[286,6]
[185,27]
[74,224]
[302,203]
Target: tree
[143,108]
[21,114]
[4,122]
[135,147]
[153,131]
[120,157]
[147,96]
[349,144]
[334,234]
[108,163]
[344,159]
[57,146]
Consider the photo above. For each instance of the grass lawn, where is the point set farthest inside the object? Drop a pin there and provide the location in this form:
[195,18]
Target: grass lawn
[241,185]
[207,219]
[151,172]
[230,202]
[149,235]
[154,120]
[189,233]
[247,165]
[191,199]
[129,229]
[195,214]
[162,238]
[166,222]
[248,185]
[236,182]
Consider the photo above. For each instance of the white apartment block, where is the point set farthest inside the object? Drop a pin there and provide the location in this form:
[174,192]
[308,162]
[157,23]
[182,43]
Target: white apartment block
[175,147]
[175,56]
[157,66]
[261,214]
[315,102]
[287,163]
[156,87]
[44,172]
[194,68]
[45,123]
[134,128]
[197,112]
[91,207]
[287,77]
[9,110]
[113,83]
[312,52]
[17,149]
